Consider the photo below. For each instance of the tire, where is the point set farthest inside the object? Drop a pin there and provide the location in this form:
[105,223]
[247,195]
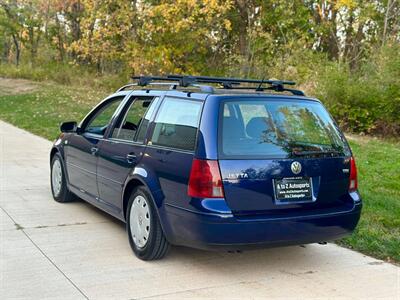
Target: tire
[145,234]
[58,181]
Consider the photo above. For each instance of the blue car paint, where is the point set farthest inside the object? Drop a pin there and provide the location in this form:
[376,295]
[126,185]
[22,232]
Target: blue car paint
[217,222]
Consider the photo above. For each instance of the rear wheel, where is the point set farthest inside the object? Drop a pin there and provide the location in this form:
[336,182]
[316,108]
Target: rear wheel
[145,234]
[58,181]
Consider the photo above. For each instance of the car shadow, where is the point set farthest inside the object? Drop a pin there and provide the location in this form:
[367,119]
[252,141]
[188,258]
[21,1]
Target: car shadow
[253,259]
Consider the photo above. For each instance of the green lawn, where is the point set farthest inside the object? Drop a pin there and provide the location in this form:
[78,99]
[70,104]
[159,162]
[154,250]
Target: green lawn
[378,233]
[42,111]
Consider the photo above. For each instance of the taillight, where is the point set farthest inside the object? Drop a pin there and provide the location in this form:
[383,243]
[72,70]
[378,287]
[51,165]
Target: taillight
[205,179]
[353,183]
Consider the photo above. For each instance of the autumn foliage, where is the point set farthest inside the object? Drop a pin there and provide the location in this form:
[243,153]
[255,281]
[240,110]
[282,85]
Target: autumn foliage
[333,48]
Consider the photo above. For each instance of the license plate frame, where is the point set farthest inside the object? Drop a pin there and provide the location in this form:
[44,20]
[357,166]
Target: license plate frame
[290,190]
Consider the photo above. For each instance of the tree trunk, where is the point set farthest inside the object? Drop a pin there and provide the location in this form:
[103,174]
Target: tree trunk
[325,17]
[385,21]
[332,45]
[60,40]
[17,49]
[76,11]
[34,44]
[349,36]
[357,48]
[243,30]
[31,34]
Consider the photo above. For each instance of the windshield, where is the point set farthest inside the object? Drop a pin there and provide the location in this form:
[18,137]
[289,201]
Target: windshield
[279,129]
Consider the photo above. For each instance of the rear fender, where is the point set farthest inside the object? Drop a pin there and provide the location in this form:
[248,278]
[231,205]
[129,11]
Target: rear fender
[148,179]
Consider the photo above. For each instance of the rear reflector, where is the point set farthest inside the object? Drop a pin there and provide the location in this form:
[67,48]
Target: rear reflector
[205,179]
[353,183]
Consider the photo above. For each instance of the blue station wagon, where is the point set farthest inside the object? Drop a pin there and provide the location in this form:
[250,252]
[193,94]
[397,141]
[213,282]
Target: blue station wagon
[234,164]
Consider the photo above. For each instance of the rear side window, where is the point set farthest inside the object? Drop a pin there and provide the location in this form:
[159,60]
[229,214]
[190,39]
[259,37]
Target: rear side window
[133,124]
[176,124]
[278,129]
[127,127]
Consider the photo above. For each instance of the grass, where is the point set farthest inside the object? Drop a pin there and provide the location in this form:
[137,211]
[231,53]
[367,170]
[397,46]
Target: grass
[378,233]
[42,111]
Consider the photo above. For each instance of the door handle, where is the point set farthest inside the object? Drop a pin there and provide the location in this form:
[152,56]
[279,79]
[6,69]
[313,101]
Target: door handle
[131,158]
[94,150]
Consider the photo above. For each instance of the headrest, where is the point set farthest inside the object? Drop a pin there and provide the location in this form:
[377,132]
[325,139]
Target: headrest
[257,126]
[233,128]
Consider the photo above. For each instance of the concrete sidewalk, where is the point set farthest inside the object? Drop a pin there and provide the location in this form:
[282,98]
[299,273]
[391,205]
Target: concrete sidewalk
[72,251]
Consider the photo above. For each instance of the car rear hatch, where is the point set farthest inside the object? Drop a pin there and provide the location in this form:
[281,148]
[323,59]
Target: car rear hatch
[282,157]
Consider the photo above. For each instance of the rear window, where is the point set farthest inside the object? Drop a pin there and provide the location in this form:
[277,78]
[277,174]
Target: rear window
[278,129]
[176,124]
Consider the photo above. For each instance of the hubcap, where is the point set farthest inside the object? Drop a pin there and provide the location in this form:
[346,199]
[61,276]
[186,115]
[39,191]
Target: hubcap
[139,221]
[56,177]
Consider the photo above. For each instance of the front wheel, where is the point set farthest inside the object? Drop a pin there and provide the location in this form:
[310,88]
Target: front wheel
[58,181]
[145,234]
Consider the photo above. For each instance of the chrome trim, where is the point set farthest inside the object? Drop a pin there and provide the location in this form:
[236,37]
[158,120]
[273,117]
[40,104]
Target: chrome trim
[170,149]
[121,141]
[120,183]
[80,168]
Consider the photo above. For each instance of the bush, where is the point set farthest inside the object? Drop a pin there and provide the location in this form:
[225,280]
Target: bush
[366,100]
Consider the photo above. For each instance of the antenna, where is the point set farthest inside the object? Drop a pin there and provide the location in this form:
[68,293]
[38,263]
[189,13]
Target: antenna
[259,89]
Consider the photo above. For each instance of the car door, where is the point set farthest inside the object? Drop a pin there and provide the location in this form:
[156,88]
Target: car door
[122,150]
[81,148]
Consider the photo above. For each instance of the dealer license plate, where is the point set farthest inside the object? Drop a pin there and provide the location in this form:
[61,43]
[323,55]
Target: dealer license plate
[293,189]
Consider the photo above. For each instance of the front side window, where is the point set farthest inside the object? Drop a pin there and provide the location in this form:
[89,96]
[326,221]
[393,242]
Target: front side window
[99,122]
[176,124]
[279,128]
[132,121]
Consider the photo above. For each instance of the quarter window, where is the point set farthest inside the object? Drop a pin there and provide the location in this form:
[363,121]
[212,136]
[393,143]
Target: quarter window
[145,123]
[176,124]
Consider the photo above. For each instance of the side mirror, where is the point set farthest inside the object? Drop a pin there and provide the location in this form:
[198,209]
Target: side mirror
[69,127]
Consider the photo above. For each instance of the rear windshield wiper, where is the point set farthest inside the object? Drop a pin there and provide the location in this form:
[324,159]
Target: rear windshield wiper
[305,153]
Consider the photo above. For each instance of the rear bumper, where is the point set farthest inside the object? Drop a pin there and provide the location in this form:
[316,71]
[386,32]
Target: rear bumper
[225,231]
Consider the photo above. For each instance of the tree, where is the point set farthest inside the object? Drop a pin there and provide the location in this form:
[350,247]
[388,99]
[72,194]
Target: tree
[12,25]
[32,15]
[104,30]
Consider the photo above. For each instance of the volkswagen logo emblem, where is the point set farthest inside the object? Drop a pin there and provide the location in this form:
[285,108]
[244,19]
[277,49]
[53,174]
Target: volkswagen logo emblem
[296,167]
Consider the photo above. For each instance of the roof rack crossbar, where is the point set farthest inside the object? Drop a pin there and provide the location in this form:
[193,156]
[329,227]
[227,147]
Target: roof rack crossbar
[281,88]
[221,80]
[227,83]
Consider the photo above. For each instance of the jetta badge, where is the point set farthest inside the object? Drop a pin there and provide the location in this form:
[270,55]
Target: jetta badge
[296,167]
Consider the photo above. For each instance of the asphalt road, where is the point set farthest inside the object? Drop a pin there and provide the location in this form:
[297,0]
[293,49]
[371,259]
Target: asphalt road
[73,251]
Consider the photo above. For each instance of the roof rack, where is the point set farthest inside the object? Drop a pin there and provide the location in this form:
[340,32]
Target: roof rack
[176,81]
[232,83]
